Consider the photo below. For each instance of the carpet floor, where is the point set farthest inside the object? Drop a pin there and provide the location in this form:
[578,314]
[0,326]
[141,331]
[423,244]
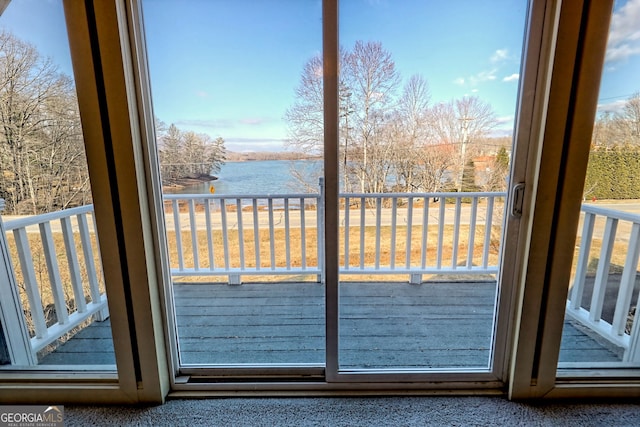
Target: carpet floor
[358,411]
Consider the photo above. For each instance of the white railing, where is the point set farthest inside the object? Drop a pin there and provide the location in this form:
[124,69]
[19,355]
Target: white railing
[390,233]
[76,298]
[281,235]
[591,313]
[227,232]
[407,219]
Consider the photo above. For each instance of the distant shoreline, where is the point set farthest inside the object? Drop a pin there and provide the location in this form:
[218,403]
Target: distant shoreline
[182,183]
[253,156]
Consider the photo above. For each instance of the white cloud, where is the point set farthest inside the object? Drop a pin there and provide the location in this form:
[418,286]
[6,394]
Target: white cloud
[473,81]
[612,107]
[504,120]
[621,52]
[207,123]
[624,36]
[239,144]
[218,124]
[513,77]
[483,76]
[253,121]
[499,55]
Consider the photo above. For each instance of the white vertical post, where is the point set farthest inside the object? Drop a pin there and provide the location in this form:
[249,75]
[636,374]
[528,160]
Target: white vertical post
[225,233]
[440,233]
[12,323]
[394,230]
[256,233]
[362,219]
[456,233]
[30,282]
[472,233]
[416,278]
[583,260]
[378,227]
[487,233]
[602,273]
[272,235]
[90,264]
[633,352]
[287,234]
[207,219]
[627,281]
[55,281]
[178,232]
[303,234]
[193,227]
[74,266]
[240,233]
[425,233]
[407,252]
[347,210]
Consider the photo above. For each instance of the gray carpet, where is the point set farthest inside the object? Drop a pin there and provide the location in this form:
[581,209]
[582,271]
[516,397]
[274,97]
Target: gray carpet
[376,411]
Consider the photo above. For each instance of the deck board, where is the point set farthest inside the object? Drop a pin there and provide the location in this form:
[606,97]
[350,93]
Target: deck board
[382,325]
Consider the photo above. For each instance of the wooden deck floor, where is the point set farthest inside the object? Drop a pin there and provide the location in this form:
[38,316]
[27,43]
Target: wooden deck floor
[435,325]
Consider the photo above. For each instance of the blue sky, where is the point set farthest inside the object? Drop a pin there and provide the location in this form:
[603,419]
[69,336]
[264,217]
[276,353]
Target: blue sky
[244,58]
[229,68]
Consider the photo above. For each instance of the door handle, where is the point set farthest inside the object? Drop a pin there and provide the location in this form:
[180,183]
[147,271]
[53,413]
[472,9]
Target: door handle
[517,200]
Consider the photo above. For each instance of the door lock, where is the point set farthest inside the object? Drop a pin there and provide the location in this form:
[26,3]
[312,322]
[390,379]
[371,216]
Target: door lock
[517,200]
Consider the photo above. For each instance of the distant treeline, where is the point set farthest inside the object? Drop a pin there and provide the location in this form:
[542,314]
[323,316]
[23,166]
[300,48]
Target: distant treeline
[613,173]
[266,155]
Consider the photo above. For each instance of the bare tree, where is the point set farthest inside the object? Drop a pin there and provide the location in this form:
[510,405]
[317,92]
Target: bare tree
[368,80]
[305,117]
[629,120]
[62,179]
[461,122]
[371,76]
[42,160]
[411,134]
[613,129]
[436,161]
[605,131]
[382,135]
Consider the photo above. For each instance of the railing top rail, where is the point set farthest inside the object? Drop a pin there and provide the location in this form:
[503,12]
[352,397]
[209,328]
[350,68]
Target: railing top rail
[611,213]
[421,195]
[47,217]
[316,195]
[240,196]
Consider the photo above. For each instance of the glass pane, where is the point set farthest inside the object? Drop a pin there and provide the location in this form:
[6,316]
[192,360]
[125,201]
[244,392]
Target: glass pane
[241,207]
[427,101]
[600,328]
[54,303]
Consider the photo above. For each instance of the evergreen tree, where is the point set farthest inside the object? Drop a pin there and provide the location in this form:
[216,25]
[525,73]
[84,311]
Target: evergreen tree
[469,177]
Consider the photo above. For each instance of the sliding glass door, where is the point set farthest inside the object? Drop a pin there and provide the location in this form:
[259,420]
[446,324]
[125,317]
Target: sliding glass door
[347,206]
[605,281]
[329,197]
[427,101]
[53,310]
[237,91]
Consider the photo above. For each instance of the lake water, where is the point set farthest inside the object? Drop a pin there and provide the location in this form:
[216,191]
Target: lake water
[254,177]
